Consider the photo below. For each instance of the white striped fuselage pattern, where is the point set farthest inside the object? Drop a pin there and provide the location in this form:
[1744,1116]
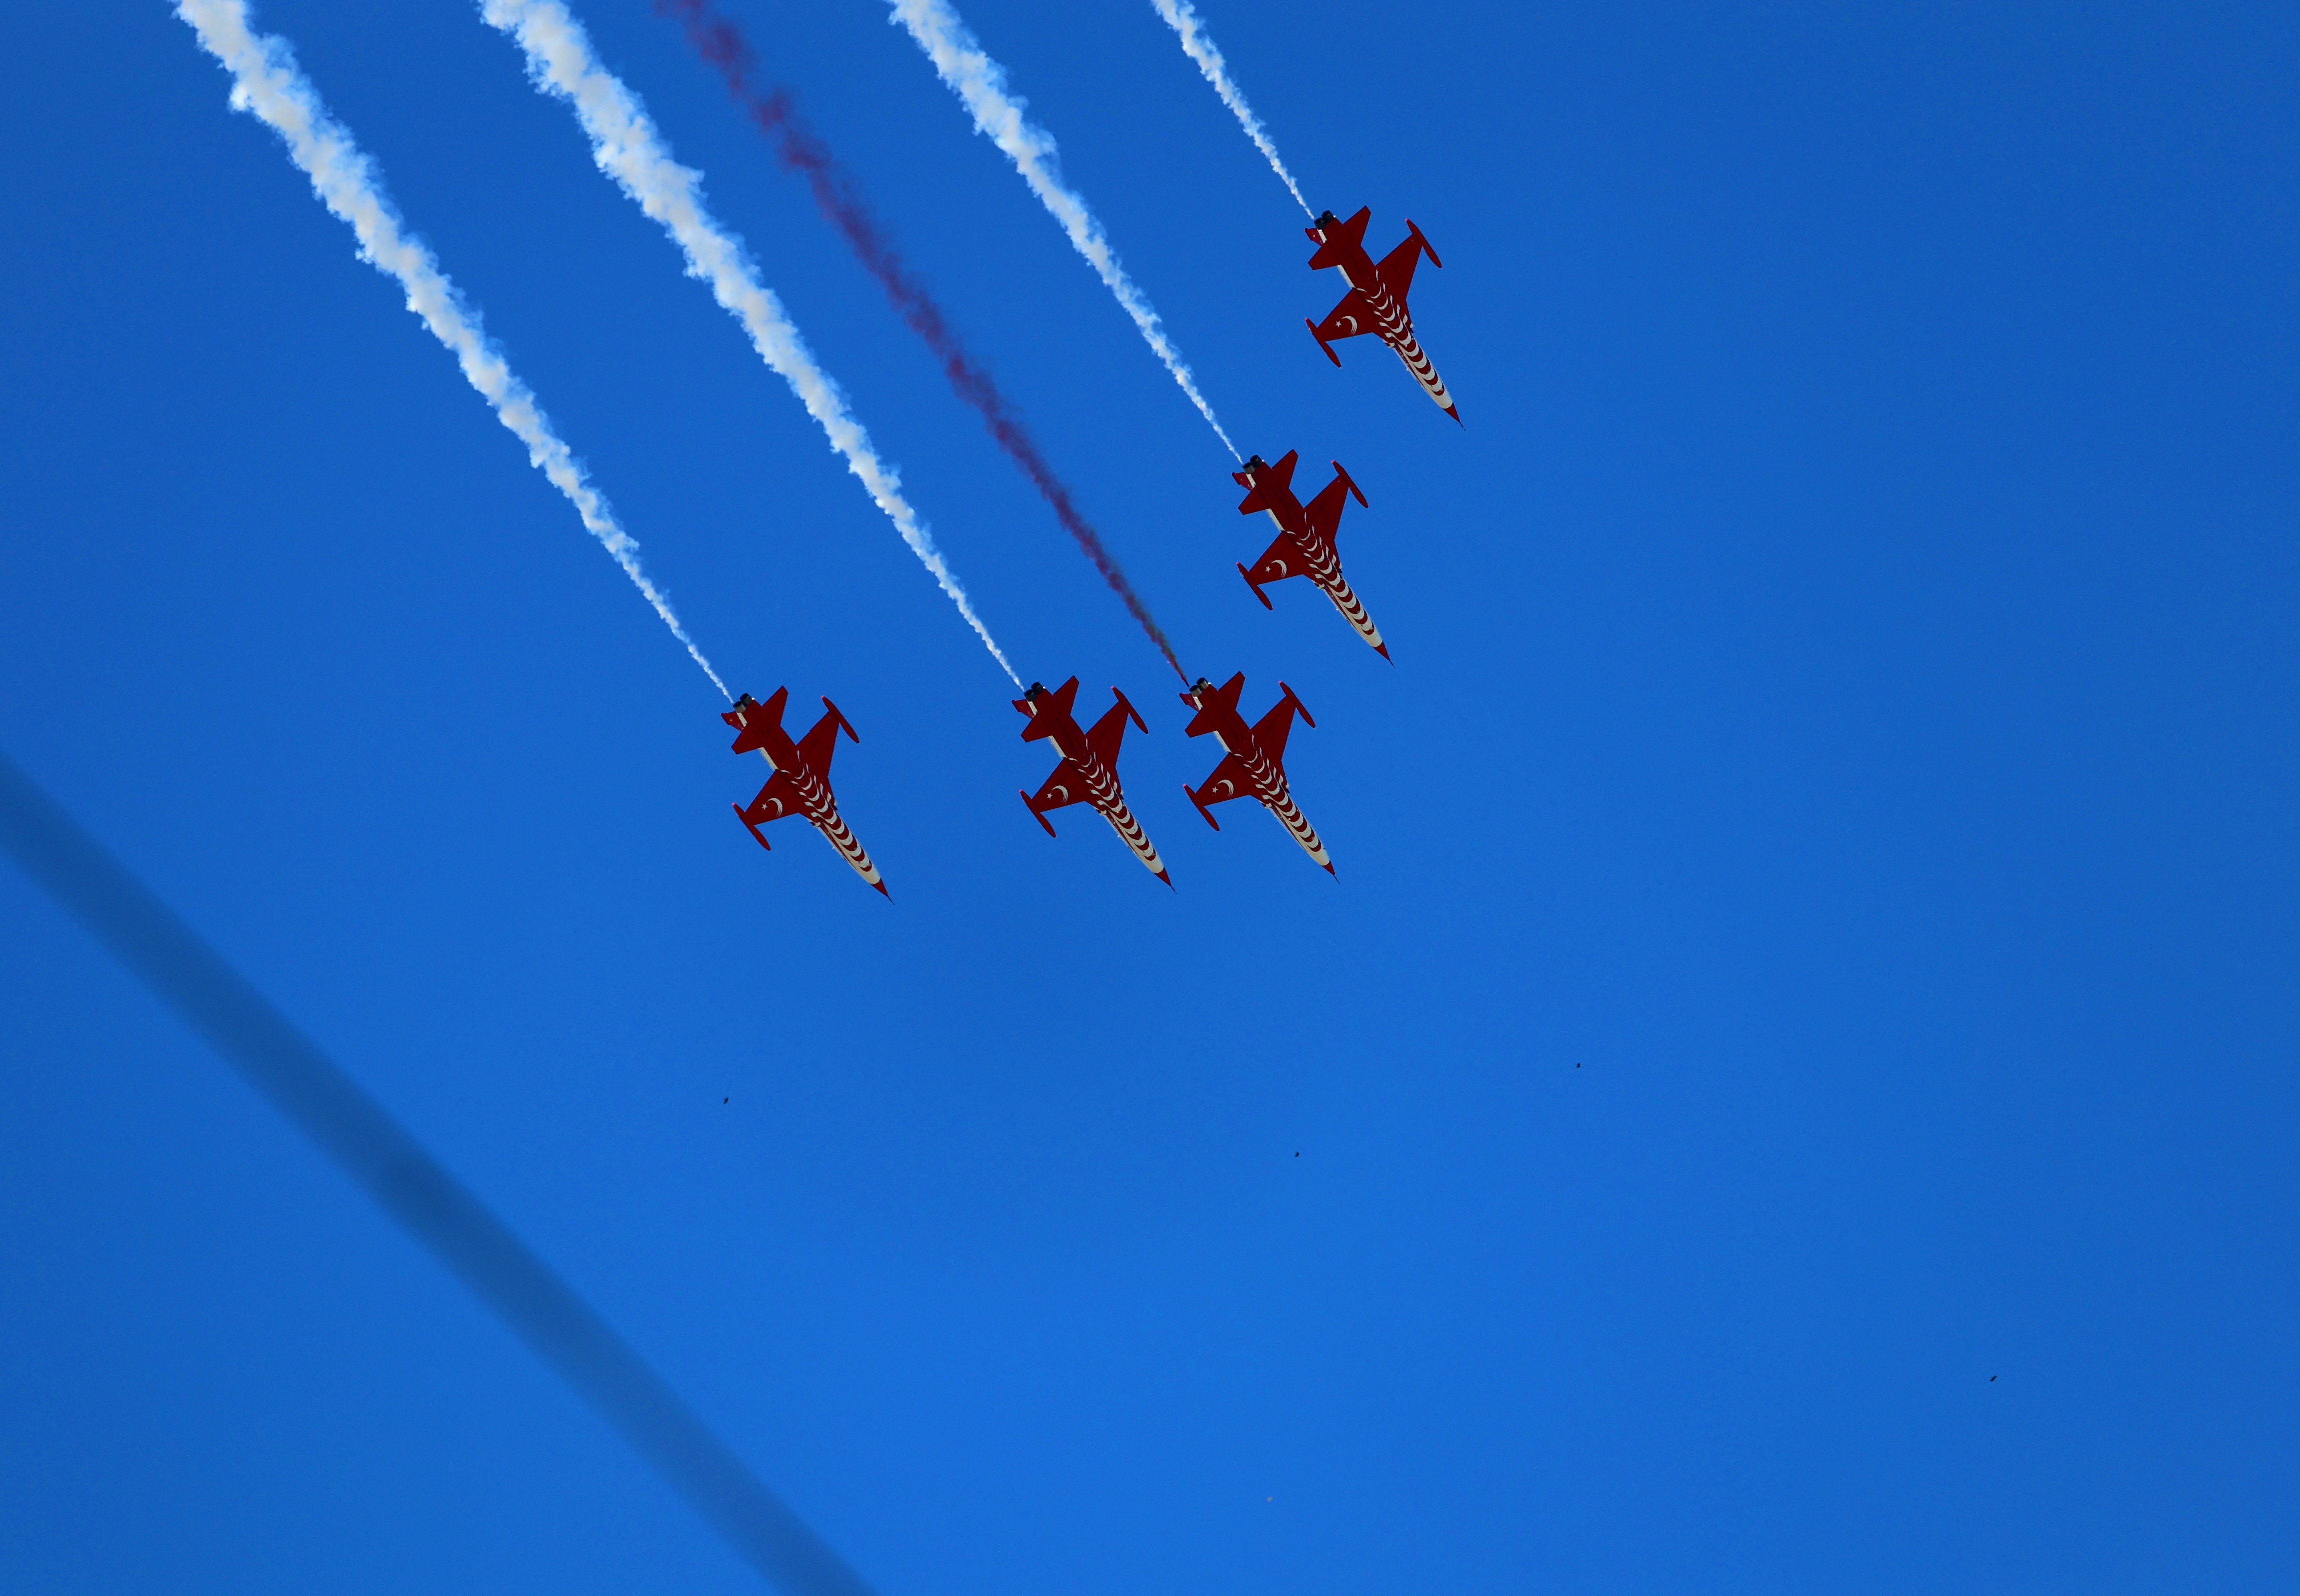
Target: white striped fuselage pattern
[1323,566]
[1102,792]
[1392,326]
[1268,781]
[816,803]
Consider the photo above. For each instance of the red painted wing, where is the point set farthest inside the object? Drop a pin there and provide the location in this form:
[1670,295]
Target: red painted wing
[1277,479]
[1279,562]
[1324,513]
[1107,736]
[777,801]
[1351,318]
[819,744]
[1272,729]
[1228,782]
[1397,267]
[1064,787]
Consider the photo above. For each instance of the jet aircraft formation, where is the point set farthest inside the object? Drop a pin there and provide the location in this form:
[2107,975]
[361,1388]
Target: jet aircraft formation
[1253,764]
[629,147]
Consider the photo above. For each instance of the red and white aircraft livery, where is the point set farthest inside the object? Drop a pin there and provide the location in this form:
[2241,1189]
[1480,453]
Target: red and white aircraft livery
[801,784]
[1089,773]
[1376,301]
[1252,763]
[1305,536]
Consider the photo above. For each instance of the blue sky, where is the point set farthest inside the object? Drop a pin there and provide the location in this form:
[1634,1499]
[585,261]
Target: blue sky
[1814,919]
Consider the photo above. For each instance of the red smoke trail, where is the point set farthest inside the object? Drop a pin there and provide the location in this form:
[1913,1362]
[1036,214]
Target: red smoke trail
[719,41]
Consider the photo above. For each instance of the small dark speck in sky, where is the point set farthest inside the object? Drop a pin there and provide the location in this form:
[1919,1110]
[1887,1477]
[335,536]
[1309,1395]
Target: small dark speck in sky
[1992,1379]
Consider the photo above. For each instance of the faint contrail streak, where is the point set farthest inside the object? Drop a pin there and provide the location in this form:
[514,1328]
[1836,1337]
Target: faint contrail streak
[1183,18]
[441,1213]
[628,149]
[981,82]
[267,83]
[721,41]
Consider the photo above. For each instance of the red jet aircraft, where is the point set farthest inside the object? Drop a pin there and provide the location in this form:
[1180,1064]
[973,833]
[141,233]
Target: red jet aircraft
[1305,536]
[801,784]
[1251,757]
[1376,301]
[1089,773]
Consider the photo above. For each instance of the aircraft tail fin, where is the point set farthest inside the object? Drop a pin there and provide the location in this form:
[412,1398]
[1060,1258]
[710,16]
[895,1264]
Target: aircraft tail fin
[755,722]
[1214,704]
[1262,485]
[1047,710]
[1337,242]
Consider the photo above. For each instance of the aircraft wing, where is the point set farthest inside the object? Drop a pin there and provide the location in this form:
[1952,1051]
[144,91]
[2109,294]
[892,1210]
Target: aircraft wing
[1324,513]
[1066,786]
[1272,729]
[1228,781]
[1350,318]
[819,744]
[1279,562]
[777,801]
[1105,735]
[1397,267]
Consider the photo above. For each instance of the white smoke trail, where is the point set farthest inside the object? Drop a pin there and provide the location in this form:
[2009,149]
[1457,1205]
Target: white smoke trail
[628,148]
[1182,17]
[267,83]
[981,82]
